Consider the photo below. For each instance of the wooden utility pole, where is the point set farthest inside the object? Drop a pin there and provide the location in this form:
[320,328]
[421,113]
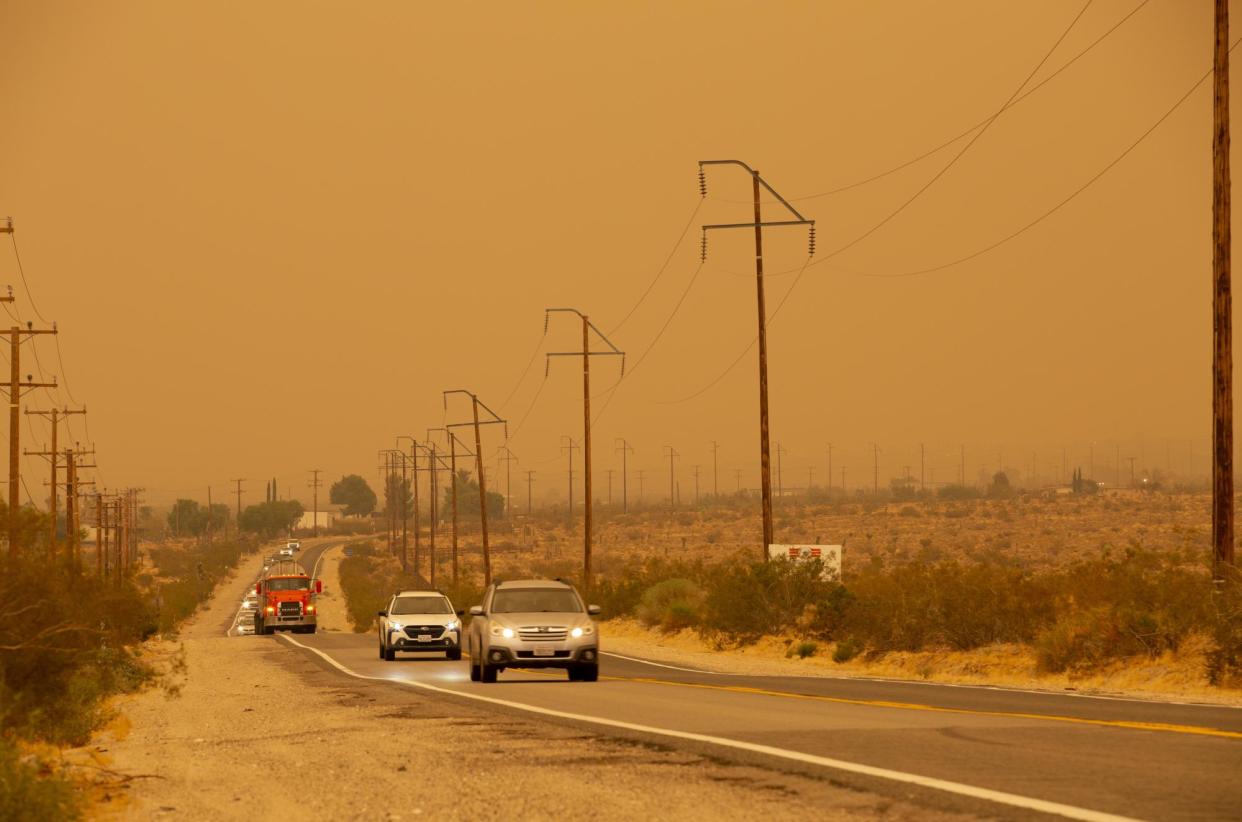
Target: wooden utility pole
[758,183]
[1222,309]
[315,485]
[53,454]
[453,443]
[696,486]
[508,458]
[530,484]
[586,353]
[238,491]
[715,469]
[17,336]
[568,446]
[478,457]
[829,466]
[780,470]
[624,450]
[672,454]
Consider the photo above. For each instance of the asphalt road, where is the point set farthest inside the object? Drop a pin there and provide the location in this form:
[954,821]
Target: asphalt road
[991,751]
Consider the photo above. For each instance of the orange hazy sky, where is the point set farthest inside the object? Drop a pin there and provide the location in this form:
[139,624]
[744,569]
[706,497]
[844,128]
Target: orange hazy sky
[272,233]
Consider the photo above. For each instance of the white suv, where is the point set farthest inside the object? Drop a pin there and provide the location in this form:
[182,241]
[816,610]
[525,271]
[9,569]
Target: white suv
[419,621]
[533,623]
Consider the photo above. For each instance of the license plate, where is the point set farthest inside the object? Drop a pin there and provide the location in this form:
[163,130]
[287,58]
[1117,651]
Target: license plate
[544,652]
[424,637]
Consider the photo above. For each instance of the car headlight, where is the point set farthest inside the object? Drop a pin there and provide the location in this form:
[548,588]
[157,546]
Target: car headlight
[500,630]
[271,609]
[310,609]
[582,631]
[395,626]
[452,625]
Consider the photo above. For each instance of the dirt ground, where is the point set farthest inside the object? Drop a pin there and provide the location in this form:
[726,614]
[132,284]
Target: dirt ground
[245,728]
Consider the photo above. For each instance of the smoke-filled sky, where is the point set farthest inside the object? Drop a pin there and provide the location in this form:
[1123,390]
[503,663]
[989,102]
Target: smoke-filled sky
[272,233]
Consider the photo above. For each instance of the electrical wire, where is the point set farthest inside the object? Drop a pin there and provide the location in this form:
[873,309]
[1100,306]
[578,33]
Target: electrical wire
[746,350]
[25,284]
[680,239]
[952,162]
[513,435]
[525,371]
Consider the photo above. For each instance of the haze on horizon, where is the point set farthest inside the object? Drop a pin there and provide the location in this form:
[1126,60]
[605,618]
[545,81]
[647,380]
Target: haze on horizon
[272,234]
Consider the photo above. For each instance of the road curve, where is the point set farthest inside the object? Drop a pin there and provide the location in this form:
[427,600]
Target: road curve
[986,750]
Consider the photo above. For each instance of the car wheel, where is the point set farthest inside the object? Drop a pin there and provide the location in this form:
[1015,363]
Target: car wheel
[475,676]
[575,673]
[381,650]
[453,654]
[489,672]
[588,673]
[390,654]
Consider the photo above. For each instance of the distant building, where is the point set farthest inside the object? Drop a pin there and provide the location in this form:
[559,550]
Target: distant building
[328,516]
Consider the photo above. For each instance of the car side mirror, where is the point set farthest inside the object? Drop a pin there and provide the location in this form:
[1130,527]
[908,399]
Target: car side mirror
[319,586]
[594,610]
[476,610]
[381,613]
[461,613]
[258,589]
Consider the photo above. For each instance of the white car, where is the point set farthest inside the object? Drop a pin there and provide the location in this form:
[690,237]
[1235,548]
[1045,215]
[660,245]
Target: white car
[286,551]
[419,621]
[245,623]
[249,603]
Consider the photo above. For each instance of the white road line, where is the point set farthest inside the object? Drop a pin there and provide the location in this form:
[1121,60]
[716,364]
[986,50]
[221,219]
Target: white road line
[959,788]
[672,667]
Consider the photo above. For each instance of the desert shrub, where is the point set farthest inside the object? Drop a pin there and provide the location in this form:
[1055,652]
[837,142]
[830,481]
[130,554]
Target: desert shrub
[908,511]
[369,578]
[671,605]
[806,648]
[747,601]
[29,795]
[846,650]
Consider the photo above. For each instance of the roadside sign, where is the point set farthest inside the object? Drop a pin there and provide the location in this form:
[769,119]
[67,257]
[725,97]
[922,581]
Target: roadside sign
[830,555]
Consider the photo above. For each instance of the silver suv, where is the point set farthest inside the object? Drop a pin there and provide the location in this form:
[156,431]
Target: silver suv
[533,623]
[419,621]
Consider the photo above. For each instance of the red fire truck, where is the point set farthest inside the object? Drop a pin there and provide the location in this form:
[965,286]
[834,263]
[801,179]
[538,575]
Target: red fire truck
[285,604]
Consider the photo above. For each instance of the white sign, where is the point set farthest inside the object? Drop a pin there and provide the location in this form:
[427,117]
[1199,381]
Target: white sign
[830,555]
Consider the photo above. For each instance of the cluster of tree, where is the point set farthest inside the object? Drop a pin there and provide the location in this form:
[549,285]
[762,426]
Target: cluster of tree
[271,518]
[468,499]
[1083,486]
[353,492]
[188,518]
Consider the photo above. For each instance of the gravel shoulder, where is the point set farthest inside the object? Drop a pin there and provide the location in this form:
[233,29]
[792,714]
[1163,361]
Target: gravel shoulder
[246,727]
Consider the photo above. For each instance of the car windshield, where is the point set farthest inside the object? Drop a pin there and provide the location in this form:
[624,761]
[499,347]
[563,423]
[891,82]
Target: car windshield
[289,584]
[535,600]
[420,605]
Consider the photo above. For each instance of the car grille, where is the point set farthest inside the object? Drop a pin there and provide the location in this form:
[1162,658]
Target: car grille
[289,609]
[413,631]
[543,633]
[531,655]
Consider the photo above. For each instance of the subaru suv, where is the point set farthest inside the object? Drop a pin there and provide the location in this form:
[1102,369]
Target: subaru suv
[419,621]
[533,623]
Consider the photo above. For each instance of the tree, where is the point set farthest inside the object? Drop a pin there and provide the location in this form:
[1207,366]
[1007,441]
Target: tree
[270,519]
[188,517]
[468,498]
[353,492]
[396,489]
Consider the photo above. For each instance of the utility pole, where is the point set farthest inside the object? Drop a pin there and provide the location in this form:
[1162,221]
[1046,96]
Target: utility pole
[315,485]
[843,478]
[922,467]
[696,486]
[672,455]
[478,452]
[237,483]
[568,446]
[962,475]
[1131,471]
[453,443]
[624,450]
[1222,309]
[17,336]
[610,473]
[55,415]
[780,470]
[715,469]
[757,182]
[737,473]
[586,354]
[508,459]
[641,473]
[810,479]
[209,513]
[530,484]
[829,466]
[433,466]
[414,481]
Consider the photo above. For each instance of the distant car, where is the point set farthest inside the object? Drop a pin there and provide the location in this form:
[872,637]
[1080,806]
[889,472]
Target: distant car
[419,621]
[293,545]
[245,624]
[249,603]
[533,623]
[286,552]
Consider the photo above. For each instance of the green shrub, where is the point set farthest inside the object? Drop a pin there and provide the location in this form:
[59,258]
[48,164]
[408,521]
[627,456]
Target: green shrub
[806,648]
[671,605]
[27,795]
[846,650]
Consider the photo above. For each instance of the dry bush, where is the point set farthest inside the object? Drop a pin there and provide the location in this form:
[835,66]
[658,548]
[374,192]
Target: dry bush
[671,605]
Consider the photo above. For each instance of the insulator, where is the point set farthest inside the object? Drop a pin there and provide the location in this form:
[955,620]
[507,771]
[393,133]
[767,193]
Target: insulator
[702,182]
[703,248]
[811,240]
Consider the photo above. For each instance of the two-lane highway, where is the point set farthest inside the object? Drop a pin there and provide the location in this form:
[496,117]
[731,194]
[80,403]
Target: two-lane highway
[999,751]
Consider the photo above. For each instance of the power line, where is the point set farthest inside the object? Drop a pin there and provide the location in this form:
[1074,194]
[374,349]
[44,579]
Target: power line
[681,238]
[25,285]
